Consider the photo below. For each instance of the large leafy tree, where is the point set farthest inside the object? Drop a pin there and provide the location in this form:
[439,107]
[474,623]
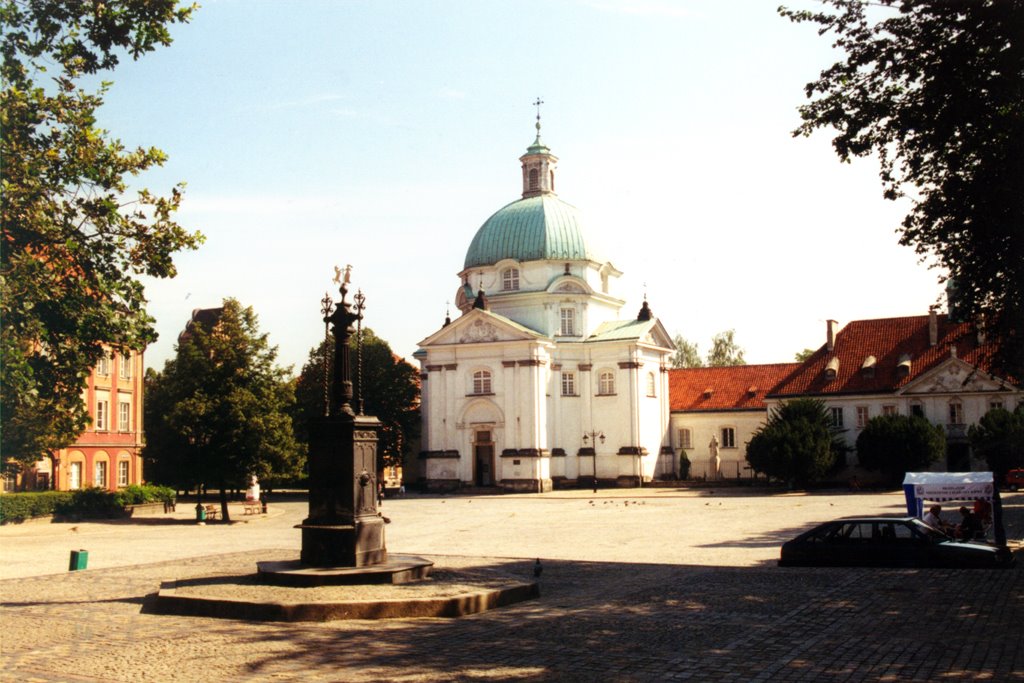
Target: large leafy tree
[686,354]
[725,350]
[897,444]
[935,88]
[73,241]
[390,392]
[220,410]
[999,439]
[797,444]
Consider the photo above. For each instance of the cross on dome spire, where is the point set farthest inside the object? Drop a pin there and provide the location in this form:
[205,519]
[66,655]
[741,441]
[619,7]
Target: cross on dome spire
[538,164]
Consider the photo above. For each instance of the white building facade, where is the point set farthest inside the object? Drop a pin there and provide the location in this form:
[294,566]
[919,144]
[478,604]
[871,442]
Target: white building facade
[539,382]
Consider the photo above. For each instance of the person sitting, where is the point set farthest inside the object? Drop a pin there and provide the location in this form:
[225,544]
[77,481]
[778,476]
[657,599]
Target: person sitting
[983,511]
[933,519]
[970,526]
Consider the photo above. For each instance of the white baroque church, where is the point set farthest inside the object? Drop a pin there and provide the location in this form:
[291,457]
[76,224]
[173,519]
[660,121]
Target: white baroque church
[539,382]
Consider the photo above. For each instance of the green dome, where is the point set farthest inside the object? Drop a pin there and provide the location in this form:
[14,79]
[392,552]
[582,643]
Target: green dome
[531,229]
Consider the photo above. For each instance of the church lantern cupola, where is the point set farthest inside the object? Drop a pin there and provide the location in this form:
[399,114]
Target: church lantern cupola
[538,165]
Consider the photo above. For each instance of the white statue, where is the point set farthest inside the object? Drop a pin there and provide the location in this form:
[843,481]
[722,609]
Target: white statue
[253,492]
[714,462]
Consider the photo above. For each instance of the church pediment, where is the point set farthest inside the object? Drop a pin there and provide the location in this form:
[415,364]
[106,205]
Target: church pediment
[478,327]
[954,375]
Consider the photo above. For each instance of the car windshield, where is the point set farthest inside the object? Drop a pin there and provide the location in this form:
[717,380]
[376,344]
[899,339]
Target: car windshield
[931,533]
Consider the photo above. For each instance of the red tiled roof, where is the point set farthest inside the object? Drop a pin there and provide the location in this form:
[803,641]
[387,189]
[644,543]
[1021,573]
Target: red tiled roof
[889,340]
[735,387]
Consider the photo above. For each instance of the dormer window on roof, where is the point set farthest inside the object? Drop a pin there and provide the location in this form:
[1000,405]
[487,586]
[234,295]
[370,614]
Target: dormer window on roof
[832,368]
[868,366]
[752,391]
[903,368]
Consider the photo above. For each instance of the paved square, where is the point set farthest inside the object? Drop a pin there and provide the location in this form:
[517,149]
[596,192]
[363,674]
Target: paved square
[656,584]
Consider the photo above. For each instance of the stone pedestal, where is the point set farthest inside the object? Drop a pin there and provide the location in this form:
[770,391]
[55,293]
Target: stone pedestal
[344,528]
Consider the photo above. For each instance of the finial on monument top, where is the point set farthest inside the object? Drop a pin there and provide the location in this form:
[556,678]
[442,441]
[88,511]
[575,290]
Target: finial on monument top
[538,147]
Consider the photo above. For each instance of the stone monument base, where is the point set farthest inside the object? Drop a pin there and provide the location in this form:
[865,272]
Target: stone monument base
[397,569]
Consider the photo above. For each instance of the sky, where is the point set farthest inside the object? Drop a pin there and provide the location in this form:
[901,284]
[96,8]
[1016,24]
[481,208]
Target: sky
[383,133]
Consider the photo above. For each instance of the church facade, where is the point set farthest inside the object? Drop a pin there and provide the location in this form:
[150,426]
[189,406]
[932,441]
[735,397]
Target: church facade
[540,381]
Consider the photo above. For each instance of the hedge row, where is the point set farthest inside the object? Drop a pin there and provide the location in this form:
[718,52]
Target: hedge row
[91,502]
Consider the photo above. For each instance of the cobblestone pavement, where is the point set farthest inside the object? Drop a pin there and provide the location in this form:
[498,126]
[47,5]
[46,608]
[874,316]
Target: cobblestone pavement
[740,619]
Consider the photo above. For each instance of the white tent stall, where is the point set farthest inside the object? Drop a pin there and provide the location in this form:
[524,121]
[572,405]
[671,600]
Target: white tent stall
[942,487]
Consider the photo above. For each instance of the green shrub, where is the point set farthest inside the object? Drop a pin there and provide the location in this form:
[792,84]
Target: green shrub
[90,502]
[17,507]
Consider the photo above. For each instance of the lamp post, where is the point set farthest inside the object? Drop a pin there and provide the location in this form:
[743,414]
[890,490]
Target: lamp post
[594,436]
[360,306]
[326,305]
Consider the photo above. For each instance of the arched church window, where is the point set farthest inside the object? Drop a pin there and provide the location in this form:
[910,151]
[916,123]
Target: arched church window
[551,180]
[606,383]
[510,279]
[482,382]
[534,179]
[651,384]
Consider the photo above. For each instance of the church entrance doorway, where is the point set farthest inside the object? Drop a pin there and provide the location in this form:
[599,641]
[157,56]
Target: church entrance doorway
[483,459]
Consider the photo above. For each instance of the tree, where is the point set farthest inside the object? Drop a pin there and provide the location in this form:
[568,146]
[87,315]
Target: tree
[999,438]
[686,354]
[934,88]
[73,241]
[390,393]
[801,356]
[725,351]
[897,444]
[221,409]
[797,444]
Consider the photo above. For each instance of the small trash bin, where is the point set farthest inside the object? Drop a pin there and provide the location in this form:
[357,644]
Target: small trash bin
[200,512]
[79,560]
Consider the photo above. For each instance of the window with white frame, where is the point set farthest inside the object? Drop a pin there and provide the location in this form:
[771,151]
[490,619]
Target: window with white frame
[863,415]
[103,365]
[568,384]
[606,383]
[889,410]
[837,417]
[124,367]
[100,474]
[728,437]
[75,476]
[651,384]
[482,382]
[956,413]
[510,279]
[995,404]
[102,421]
[124,416]
[568,320]
[122,473]
[685,438]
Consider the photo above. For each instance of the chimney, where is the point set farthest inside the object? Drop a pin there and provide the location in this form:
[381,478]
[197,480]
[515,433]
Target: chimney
[933,327]
[831,327]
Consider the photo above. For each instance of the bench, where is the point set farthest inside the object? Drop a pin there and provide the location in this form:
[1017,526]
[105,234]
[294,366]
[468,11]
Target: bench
[211,512]
[253,507]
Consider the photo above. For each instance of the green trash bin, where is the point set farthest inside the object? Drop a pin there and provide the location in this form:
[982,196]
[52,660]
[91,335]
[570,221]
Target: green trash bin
[79,560]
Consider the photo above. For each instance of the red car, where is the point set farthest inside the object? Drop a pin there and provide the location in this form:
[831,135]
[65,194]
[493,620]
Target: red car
[1015,479]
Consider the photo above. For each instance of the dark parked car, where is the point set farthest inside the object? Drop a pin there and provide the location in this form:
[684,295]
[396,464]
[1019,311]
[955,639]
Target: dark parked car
[887,542]
[1015,479]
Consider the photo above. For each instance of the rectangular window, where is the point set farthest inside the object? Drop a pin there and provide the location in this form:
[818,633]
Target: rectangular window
[124,367]
[568,322]
[103,366]
[124,416]
[728,437]
[685,438]
[606,384]
[837,418]
[956,413]
[481,382]
[568,384]
[863,415]
[917,410]
[510,279]
[75,476]
[102,423]
[122,473]
[889,410]
[995,405]
[100,474]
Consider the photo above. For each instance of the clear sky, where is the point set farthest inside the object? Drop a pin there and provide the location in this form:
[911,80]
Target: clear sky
[383,134]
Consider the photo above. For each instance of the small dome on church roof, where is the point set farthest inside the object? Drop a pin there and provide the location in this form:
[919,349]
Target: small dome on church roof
[531,229]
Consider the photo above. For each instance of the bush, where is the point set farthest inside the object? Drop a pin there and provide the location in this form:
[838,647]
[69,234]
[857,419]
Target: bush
[17,507]
[797,444]
[684,466]
[90,502]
